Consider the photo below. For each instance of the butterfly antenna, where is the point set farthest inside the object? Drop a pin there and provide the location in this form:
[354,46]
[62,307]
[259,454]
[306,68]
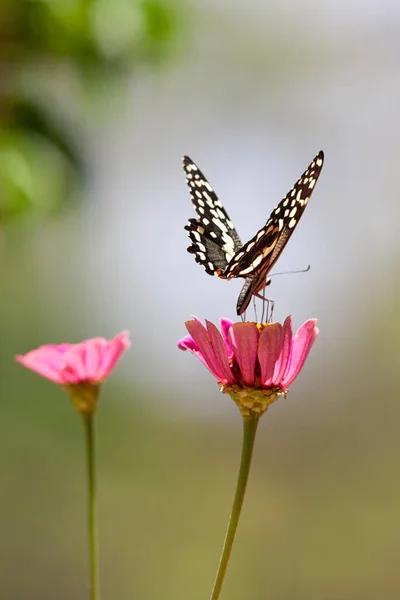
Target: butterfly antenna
[291,272]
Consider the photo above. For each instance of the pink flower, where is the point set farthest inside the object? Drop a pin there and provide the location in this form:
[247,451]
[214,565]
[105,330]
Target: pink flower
[90,361]
[254,363]
[81,368]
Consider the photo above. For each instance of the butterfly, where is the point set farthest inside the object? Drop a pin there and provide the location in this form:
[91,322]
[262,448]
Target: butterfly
[215,242]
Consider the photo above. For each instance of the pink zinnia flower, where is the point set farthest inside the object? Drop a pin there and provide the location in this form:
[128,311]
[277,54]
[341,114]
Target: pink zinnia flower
[255,363]
[79,367]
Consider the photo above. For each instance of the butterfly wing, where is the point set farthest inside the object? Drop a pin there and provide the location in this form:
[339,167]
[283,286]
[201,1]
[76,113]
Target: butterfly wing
[257,257]
[261,252]
[213,237]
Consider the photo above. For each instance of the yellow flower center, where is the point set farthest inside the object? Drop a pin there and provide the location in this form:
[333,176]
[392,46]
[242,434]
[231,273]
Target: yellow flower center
[84,396]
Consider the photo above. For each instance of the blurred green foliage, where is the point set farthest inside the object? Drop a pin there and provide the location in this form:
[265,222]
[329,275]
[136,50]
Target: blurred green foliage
[53,53]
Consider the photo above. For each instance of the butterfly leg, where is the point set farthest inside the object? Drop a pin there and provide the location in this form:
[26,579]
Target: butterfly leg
[270,306]
[255,309]
[263,307]
[268,309]
[263,298]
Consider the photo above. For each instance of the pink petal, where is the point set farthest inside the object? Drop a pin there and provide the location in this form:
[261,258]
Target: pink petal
[201,337]
[197,326]
[302,343]
[188,343]
[269,351]
[226,324]
[220,350]
[244,339]
[113,352]
[93,360]
[46,361]
[284,356]
[92,352]
[75,370]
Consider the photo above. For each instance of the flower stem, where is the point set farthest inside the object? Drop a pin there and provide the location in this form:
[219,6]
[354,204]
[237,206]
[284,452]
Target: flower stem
[88,420]
[249,433]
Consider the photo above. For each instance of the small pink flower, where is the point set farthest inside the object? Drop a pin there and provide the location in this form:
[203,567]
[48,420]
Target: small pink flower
[79,367]
[90,361]
[254,363]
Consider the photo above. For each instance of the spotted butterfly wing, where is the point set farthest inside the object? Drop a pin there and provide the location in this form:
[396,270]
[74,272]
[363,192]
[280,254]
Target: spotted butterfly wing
[216,244]
[214,239]
[257,257]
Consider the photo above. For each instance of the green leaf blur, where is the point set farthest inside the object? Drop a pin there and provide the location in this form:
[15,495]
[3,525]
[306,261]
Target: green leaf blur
[53,54]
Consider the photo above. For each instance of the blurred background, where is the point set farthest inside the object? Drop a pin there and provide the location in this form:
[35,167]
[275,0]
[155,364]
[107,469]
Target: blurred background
[98,102]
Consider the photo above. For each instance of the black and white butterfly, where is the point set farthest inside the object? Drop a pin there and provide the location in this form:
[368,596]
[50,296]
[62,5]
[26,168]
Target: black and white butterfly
[216,244]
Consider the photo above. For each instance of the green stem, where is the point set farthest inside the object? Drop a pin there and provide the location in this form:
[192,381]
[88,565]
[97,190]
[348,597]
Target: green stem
[249,434]
[88,420]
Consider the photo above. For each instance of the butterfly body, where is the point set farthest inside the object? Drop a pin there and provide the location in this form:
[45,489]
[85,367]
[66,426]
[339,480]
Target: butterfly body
[216,244]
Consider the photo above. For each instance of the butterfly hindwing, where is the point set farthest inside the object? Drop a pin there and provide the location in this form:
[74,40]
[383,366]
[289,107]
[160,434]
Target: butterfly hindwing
[207,252]
[214,239]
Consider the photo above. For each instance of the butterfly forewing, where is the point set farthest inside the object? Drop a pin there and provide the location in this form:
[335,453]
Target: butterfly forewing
[257,257]
[214,239]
